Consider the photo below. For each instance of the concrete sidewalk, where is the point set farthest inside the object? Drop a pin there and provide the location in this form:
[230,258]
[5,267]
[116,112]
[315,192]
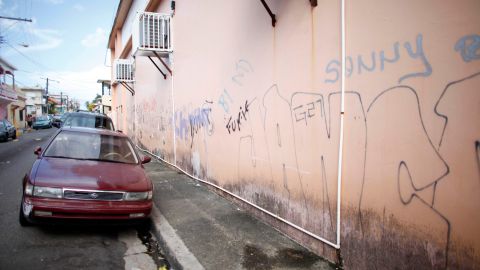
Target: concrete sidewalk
[202,230]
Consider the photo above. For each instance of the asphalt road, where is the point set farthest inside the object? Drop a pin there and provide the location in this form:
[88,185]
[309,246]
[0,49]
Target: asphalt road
[56,246]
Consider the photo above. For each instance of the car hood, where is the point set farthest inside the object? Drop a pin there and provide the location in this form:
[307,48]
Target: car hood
[42,122]
[91,175]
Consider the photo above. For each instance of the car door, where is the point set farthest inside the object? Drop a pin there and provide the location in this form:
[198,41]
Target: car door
[9,128]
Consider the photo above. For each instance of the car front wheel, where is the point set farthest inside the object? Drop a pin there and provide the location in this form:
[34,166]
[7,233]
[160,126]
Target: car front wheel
[14,135]
[21,217]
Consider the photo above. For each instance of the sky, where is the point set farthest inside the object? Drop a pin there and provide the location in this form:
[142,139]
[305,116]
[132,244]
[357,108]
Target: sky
[66,42]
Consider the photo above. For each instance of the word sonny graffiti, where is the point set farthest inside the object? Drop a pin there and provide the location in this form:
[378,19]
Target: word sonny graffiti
[333,68]
[469,47]
[234,124]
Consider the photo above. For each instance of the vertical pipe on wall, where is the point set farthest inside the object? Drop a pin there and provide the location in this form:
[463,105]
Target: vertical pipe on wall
[172,75]
[342,112]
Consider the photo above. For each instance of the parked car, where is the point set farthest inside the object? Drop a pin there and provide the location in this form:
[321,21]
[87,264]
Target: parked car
[42,122]
[88,119]
[63,117]
[87,174]
[56,121]
[7,130]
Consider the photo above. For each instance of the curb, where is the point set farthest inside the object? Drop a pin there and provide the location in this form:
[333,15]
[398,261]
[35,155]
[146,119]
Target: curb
[176,252]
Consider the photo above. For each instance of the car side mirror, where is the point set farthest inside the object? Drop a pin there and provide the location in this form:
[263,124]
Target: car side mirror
[146,159]
[37,150]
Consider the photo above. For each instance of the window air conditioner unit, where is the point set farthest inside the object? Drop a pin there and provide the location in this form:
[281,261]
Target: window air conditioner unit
[152,34]
[123,71]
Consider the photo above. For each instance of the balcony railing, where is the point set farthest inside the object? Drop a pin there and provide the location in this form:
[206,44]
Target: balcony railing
[152,34]
[123,71]
[7,93]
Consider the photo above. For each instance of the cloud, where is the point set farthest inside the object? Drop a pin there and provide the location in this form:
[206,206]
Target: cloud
[35,39]
[77,7]
[46,39]
[81,85]
[95,39]
[54,2]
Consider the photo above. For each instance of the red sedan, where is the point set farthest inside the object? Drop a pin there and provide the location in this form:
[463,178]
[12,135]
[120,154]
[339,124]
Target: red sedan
[86,173]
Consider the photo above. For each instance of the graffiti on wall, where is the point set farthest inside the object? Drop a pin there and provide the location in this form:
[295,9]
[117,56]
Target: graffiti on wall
[235,122]
[290,142]
[378,61]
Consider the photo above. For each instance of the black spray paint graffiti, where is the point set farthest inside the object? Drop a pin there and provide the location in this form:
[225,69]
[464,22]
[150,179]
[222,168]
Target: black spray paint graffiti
[477,152]
[409,185]
[360,65]
[234,124]
[280,126]
[447,88]
[306,111]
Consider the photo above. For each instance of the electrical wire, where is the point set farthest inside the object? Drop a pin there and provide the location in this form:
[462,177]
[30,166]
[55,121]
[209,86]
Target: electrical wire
[27,57]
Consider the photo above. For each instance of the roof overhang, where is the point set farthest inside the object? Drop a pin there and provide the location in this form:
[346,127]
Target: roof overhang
[122,12]
[6,67]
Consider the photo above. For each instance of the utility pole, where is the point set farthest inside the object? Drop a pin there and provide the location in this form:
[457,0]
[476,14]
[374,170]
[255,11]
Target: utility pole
[16,19]
[2,38]
[46,91]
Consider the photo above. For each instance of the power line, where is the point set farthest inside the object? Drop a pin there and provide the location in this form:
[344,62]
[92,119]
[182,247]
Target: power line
[27,57]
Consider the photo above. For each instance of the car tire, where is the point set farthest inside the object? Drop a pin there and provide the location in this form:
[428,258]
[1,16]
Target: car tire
[14,135]
[21,217]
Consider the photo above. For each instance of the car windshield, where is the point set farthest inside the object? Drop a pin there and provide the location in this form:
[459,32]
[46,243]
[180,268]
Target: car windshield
[64,116]
[91,146]
[42,118]
[92,121]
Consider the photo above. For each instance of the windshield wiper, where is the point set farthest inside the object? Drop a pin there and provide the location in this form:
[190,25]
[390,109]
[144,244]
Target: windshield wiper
[106,160]
[63,157]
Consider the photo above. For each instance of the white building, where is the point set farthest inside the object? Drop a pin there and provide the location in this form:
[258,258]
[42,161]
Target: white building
[34,103]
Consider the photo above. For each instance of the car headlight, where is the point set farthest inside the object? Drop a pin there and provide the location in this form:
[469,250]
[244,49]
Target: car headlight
[138,196]
[47,192]
[28,189]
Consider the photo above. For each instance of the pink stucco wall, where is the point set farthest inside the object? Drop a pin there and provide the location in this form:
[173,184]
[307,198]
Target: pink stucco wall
[255,110]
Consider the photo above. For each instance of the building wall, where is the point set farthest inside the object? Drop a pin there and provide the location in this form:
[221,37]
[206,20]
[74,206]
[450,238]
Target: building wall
[34,101]
[257,111]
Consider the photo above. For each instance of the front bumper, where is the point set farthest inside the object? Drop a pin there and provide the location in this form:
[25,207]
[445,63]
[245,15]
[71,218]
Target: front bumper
[34,207]
[42,126]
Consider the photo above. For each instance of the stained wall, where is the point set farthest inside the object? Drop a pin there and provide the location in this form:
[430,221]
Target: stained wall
[255,109]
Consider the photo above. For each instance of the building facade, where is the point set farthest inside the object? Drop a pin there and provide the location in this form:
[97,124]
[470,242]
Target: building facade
[35,101]
[352,125]
[16,111]
[7,87]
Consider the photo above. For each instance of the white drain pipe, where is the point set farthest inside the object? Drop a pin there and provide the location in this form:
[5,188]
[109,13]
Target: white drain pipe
[342,111]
